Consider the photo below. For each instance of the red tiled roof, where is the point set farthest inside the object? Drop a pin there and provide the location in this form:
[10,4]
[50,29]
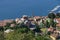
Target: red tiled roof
[8,21]
[4,22]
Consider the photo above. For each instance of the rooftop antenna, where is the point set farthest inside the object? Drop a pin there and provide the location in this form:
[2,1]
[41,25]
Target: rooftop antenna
[32,13]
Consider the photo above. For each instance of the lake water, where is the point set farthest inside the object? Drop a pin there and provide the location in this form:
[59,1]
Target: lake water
[17,8]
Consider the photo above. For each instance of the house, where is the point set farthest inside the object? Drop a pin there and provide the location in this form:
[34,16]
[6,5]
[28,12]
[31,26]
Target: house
[58,22]
[17,20]
[12,25]
[37,18]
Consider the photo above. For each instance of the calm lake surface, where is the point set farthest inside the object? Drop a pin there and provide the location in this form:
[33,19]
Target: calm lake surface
[16,8]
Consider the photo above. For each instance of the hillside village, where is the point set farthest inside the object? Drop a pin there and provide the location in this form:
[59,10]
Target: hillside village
[39,25]
[18,20]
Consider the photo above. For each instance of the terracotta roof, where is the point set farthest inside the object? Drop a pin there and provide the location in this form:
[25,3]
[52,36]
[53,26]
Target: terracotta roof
[2,23]
[58,25]
[37,17]
[8,21]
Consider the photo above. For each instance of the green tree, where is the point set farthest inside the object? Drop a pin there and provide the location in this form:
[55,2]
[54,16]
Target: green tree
[51,15]
[58,15]
[47,24]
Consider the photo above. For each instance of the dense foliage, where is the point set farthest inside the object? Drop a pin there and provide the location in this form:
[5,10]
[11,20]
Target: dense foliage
[1,35]
[58,14]
[20,34]
[51,15]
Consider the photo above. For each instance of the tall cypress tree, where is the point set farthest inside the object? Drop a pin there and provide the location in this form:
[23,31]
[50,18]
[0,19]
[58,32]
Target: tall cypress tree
[52,16]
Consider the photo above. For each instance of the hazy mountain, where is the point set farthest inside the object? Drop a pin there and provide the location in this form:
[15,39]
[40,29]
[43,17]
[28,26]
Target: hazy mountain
[56,9]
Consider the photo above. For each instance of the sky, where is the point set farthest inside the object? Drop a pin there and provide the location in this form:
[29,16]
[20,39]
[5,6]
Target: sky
[11,9]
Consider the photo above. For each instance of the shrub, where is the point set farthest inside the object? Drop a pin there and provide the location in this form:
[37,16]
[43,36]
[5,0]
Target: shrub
[20,34]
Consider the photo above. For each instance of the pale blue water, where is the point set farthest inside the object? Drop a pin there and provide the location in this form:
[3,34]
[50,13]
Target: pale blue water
[16,8]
